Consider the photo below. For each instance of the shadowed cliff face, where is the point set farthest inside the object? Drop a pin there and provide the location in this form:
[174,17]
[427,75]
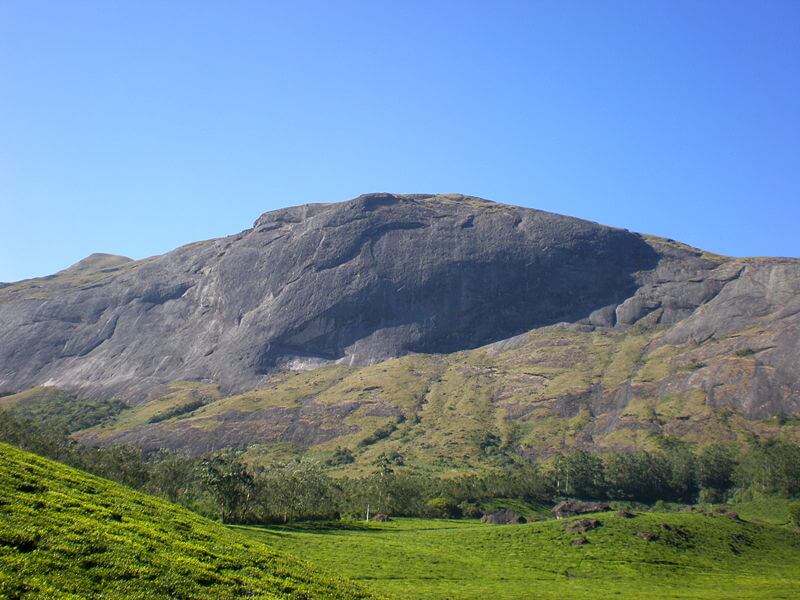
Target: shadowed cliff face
[375,277]
[384,275]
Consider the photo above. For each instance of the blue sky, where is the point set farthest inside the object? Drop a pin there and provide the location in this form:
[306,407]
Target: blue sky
[134,127]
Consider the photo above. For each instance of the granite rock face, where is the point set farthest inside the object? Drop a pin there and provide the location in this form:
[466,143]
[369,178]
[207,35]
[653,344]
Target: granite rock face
[360,281]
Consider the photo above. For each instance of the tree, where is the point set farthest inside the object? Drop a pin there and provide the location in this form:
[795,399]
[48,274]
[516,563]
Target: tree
[682,484]
[794,513]
[231,485]
[124,464]
[444,508]
[770,467]
[297,490]
[637,476]
[385,464]
[715,467]
[171,476]
[579,474]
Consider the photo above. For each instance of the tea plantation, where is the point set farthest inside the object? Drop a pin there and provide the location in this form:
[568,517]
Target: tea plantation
[65,534]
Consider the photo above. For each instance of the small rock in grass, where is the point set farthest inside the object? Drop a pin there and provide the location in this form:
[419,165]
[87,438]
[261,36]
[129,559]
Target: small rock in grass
[583,525]
[579,541]
[647,536]
[536,518]
[570,508]
[503,517]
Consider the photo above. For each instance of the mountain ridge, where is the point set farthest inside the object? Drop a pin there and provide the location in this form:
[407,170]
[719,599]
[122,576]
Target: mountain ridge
[603,321]
[332,236]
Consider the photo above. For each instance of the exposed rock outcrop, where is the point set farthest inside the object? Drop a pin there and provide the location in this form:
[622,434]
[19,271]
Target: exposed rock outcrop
[505,516]
[571,508]
[583,525]
[385,275]
[357,281]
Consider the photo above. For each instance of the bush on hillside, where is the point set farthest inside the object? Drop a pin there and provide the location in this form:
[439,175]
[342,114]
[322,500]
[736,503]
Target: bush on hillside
[176,411]
[794,513]
[443,508]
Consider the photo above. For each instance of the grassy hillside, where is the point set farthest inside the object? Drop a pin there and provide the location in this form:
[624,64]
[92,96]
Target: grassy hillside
[552,389]
[695,556]
[66,534]
[51,406]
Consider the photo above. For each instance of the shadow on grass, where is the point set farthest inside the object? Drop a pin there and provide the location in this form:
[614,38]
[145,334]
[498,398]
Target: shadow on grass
[325,527]
[314,527]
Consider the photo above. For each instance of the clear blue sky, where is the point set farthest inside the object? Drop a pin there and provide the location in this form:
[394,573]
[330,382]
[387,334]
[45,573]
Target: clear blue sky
[134,127]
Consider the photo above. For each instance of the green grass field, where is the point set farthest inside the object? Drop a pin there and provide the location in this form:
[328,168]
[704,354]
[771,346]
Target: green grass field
[701,556]
[65,534]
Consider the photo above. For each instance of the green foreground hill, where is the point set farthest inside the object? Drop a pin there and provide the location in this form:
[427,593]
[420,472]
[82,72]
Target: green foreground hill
[67,534]
[687,555]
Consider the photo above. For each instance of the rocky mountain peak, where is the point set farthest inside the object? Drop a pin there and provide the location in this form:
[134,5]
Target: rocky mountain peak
[352,282]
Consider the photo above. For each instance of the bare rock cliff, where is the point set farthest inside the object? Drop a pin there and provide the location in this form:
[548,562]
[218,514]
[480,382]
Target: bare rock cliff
[376,277]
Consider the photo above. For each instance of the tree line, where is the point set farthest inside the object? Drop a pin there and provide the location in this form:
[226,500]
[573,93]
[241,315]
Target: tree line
[224,486]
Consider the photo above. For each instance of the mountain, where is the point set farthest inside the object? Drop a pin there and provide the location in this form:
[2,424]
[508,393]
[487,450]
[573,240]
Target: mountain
[423,321]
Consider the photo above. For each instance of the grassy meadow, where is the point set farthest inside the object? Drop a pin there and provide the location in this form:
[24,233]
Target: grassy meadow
[65,534]
[695,556]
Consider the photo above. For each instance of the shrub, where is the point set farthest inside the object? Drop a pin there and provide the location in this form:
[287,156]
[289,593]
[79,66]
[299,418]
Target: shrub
[471,510]
[444,508]
[53,407]
[710,495]
[794,513]
[175,411]
[378,435]
[341,456]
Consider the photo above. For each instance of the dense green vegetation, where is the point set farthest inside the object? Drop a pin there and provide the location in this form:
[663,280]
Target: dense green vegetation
[58,408]
[690,555]
[66,534]
[176,411]
[677,472]
[72,535]
[226,486]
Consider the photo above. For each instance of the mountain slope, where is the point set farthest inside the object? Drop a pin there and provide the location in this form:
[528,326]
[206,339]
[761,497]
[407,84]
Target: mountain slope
[364,280]
[549,390]
[541,330]
[67,534]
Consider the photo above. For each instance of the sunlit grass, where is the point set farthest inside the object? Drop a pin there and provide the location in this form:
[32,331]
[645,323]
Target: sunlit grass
[67,534]
[698,556]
